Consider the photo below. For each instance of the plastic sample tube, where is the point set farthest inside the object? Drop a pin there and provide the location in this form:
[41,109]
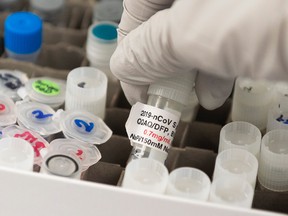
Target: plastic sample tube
[108,11]
[237,163]
[48,10]
[23,36]
[231,191]
[278,113]
[243,135]
[188,183]
[151,127]
[146,175]
[16,153]
[277,119]
[273,169]
[251,102]
[280,98]
[86,90]
[101,43]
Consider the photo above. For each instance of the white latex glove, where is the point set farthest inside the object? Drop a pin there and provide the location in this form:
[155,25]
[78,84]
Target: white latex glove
[223,39]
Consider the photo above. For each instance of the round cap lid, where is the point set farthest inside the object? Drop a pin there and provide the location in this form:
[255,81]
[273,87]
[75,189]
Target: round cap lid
[83,126]
[23,32]
[37,117]
[87,153]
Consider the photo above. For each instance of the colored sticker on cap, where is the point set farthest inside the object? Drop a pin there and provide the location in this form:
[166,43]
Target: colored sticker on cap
[46,87]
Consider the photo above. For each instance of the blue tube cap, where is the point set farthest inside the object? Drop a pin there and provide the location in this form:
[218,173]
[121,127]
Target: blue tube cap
[105,32]
[23,32]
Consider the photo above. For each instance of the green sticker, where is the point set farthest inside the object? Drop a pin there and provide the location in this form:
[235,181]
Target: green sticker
[46,87]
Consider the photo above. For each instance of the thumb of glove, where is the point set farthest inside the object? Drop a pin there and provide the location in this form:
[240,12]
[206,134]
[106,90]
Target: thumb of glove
[212,91]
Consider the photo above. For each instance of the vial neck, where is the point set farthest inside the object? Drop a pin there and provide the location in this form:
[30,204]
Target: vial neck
[165,104]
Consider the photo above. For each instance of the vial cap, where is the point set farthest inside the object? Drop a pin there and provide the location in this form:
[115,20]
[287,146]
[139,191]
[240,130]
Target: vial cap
[176,88]
[7,111]
[37,117]
[16,153]
[104,32]
[83,126]
[88,154]
[38,143]
[23,32]
[46,90]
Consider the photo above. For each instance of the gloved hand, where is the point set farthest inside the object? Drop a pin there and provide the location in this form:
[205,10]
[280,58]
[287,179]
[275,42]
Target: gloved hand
[222,39]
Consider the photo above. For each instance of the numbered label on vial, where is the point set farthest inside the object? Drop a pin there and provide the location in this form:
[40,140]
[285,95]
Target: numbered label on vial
[46,87]
[151,126]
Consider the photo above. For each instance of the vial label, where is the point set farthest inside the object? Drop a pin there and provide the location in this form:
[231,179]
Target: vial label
[151,126]
[46,87]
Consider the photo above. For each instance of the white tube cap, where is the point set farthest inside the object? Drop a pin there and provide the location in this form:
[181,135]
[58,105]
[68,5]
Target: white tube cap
[273,169]
[146,175]
[188,182]
[242,135]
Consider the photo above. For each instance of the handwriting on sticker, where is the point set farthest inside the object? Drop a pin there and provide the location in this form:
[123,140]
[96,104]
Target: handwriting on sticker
[248,89]
[81,84]
[36,143]
[2,107]
[46,87]
[281,119]
[81,123]
[11,81]
[79,153]
[40,115]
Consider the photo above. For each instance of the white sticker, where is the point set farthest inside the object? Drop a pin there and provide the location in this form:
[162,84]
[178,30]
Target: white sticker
[151,126]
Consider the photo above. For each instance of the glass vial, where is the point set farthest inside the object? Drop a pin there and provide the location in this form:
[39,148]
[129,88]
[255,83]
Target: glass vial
[170,95]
